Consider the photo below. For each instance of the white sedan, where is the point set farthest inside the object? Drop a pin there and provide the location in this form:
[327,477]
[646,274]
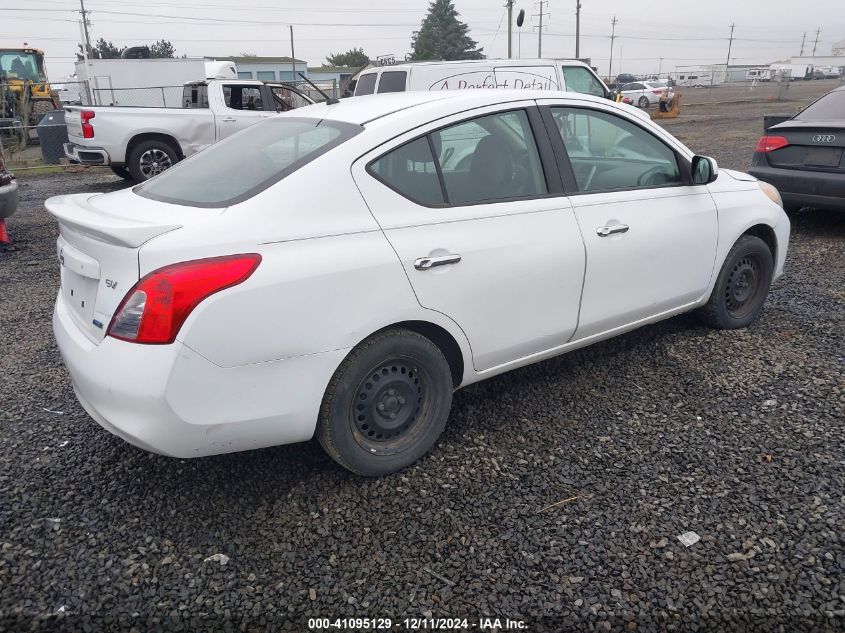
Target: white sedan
[342,269]
[645,93]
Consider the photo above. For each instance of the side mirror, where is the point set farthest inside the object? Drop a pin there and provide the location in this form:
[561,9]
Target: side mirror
[704,170]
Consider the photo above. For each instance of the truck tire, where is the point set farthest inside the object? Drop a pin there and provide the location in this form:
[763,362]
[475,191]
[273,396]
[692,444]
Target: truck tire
[150,158]
[122,171]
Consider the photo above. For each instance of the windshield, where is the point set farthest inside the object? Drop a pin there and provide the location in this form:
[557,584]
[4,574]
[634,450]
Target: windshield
[248,162]
[829,108]
[21,65]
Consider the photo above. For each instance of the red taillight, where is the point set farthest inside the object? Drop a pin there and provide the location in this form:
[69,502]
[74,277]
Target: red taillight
[87,128]
[770,143]
[155,308]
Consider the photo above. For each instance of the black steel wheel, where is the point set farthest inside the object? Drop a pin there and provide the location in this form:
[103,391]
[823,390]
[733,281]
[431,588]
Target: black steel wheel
[742,285]
[386,404]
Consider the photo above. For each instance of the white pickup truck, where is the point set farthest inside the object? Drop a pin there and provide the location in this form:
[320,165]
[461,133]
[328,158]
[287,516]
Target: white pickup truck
[139,142]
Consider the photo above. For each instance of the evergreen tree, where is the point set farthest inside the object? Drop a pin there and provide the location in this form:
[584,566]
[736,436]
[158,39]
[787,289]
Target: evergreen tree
[443,36]
[354,57]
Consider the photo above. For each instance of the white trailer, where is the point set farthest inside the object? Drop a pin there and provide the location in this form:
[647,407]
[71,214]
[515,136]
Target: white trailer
[795,72]
[146,82]
[760,74]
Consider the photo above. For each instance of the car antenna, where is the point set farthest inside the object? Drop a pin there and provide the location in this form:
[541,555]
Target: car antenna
[329,100]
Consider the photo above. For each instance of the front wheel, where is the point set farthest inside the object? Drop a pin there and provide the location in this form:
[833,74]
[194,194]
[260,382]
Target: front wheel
[643,102]
[386,404]
[742,285]
[150,158]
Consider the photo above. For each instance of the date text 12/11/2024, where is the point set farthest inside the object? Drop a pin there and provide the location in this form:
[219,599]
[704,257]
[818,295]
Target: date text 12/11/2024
[417,624]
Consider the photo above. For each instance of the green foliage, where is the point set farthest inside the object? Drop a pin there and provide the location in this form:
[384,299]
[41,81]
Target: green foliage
[443,36]
[162,48]
[355,57]
[105,50]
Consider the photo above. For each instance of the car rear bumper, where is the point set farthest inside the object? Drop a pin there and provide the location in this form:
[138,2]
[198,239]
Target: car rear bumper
[168,399]
[8,200]
[86,155]
[822,190]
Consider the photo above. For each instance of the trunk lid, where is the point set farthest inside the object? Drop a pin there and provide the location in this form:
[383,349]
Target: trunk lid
[818,146]
[100,236]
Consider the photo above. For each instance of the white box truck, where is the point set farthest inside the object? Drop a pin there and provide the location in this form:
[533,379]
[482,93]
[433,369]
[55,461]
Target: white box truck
[146,82]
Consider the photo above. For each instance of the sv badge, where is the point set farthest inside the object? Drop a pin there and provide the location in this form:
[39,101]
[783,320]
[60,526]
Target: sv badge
[111,284]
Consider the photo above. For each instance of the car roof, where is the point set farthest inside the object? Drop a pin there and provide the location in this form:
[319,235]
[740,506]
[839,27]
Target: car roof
[546,61]
[368,108]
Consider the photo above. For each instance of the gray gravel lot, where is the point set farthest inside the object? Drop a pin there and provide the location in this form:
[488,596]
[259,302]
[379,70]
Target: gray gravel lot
[737,436]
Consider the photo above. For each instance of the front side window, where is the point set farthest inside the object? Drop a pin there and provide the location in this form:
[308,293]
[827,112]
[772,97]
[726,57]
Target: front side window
[578,79]
[248,162]
[288,99]
[366,84]
[607,152]
[485,159]
[242,97]
[392,81]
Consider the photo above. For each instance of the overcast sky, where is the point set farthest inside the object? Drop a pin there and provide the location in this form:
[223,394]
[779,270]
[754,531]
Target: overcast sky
[647,30]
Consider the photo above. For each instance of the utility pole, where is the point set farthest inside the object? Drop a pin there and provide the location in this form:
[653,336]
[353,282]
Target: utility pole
[816,43]
[577,29]
[292,53]
[509,5]
[612,37]
[540,35]
[803,39]
[728,60]
[85,26]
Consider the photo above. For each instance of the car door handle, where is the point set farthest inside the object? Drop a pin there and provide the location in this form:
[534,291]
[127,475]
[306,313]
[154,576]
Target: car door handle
[228,120]
[604,231]
[424,263]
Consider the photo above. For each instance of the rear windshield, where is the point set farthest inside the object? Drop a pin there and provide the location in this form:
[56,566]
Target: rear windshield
[248,162]
[830,107]
[366,84]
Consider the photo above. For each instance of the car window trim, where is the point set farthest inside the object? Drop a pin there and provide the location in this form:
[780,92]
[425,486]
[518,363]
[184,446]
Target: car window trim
[568,174]
[551,177]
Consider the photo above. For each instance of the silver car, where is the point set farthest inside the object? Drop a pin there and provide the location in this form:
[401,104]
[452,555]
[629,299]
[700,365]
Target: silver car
[645,93]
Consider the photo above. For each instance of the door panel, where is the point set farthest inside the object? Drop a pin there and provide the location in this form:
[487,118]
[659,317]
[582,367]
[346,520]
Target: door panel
[243,106]
[509,272]
[515,290]
[663,261]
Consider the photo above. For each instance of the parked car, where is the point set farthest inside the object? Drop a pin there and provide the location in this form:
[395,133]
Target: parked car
[804,155]
[139,142]
[518,74]
[645,93]
[625,78]
[221,306]
[8,192]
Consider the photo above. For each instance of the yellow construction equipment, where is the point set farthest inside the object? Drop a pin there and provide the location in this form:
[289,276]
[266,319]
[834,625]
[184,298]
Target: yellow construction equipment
[668,108]
[25,92]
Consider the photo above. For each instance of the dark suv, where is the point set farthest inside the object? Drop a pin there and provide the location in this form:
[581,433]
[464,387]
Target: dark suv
[8,192]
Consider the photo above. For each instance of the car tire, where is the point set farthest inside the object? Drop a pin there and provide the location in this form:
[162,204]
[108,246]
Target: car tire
[122,171]
[150,158]
[643,102]
[386,404]
[741,287]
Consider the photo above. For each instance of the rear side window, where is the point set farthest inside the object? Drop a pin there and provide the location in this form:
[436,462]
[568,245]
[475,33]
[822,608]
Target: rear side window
[410,171]
[485,159]
[392,81]
[237,168]
[366,84]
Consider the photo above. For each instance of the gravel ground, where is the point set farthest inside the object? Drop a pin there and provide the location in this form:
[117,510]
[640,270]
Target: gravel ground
[556,495]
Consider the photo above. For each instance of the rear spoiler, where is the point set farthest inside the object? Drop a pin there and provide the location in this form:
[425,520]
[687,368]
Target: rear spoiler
[76,213]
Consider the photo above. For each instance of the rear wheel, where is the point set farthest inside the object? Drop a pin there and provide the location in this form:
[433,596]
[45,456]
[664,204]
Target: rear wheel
[742,285]
[150,158]
[120,170]
[387,403]
[643,102]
